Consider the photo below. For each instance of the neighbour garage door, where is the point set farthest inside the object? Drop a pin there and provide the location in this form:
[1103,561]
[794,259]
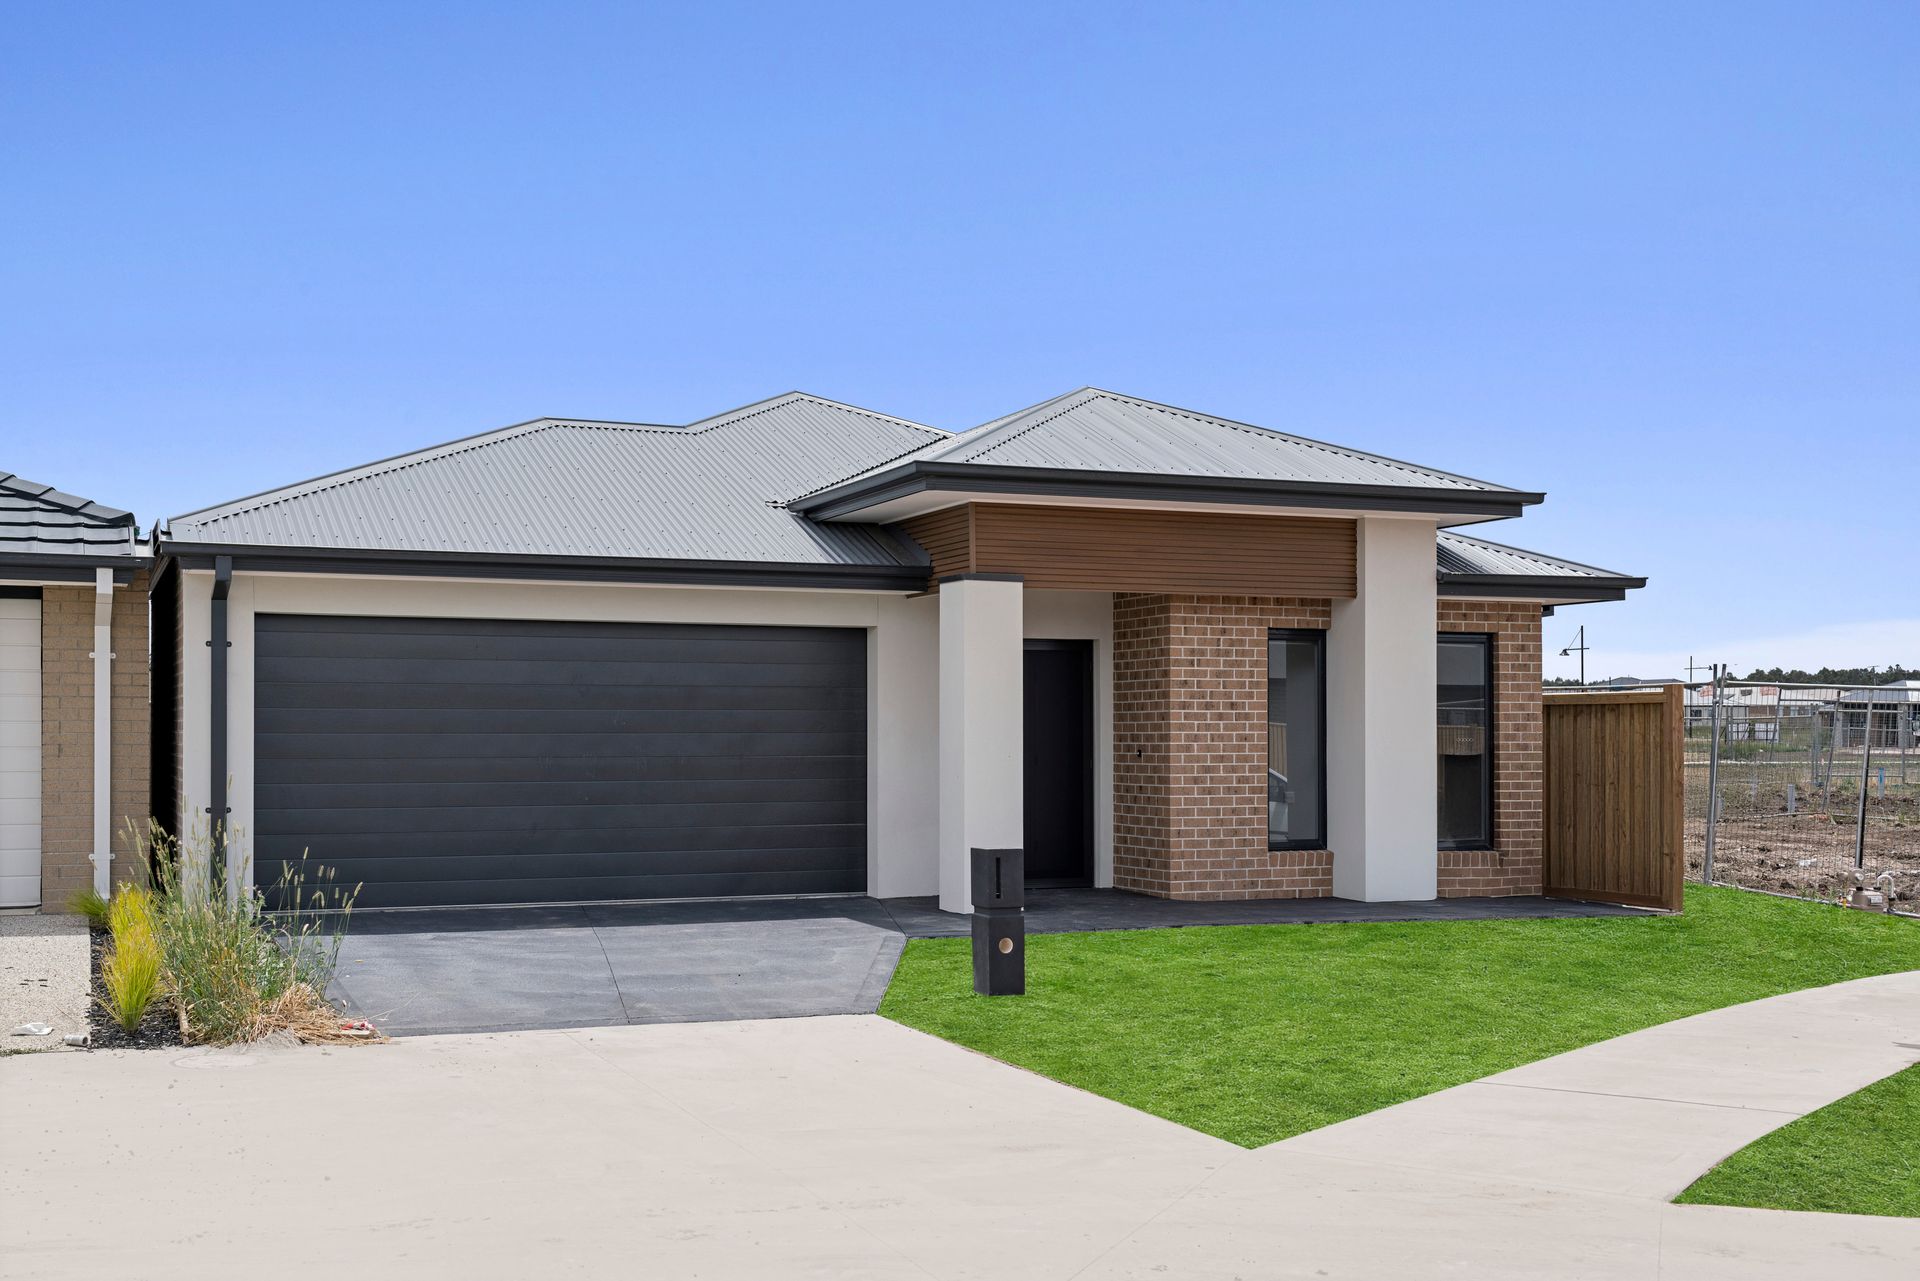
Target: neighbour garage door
[450,761]
[19,750]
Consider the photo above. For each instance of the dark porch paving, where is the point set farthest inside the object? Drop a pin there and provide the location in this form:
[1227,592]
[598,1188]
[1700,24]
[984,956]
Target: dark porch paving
[1072,911]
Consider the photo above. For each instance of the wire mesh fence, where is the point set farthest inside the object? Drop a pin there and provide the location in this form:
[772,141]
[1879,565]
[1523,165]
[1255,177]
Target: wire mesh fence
[1812,791]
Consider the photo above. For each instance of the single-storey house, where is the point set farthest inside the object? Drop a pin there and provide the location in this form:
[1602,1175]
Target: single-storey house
[806,648]
[73,694]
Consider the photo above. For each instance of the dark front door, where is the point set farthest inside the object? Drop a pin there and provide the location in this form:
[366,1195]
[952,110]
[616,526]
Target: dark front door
[1059,762]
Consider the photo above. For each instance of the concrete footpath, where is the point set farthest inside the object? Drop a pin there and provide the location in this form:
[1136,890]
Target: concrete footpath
[852,1147]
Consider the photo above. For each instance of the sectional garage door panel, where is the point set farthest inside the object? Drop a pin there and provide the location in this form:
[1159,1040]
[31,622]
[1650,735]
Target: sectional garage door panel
[451,761]
[19,751]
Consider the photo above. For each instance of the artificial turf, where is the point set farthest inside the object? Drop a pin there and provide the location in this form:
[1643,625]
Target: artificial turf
[1859,1155]
[1255,1033]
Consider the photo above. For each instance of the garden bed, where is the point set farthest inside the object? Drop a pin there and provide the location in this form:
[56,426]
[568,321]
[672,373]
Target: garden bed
[158,1030]
[177,965]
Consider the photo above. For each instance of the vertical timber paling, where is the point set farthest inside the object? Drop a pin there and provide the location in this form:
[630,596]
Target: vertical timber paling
[1614,796]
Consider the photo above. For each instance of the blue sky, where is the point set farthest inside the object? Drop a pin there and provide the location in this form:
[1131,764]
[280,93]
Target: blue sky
[1662,262]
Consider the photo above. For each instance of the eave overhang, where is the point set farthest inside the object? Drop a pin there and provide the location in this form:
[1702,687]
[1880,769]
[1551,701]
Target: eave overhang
[846,501]
[67,567]
[1570,589]
[568,569]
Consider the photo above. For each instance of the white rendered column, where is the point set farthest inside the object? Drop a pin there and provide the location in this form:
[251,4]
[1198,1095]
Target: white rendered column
[981,725]
[1381,798]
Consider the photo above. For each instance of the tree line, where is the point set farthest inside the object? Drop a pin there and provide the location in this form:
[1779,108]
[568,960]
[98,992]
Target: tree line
[1795,676]
[1835,675]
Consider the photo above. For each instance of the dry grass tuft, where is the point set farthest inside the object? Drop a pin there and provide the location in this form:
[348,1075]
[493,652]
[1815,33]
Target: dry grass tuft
[310,1017]
[299,1012]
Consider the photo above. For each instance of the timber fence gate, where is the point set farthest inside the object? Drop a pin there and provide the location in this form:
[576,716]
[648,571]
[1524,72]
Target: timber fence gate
[1614,800]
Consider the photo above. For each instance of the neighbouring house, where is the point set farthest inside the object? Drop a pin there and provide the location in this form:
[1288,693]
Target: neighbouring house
[1895,712]
[73,694]
[805,648]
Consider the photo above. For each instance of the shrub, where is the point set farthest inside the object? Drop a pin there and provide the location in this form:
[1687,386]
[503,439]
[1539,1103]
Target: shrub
[131,973]
[239,972]
[90,903]
[131,912]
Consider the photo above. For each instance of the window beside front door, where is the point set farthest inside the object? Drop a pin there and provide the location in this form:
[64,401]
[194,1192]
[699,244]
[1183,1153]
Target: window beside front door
[1465,766]
[1296,740]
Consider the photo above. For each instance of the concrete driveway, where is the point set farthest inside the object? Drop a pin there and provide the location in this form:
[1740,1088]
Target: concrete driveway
[513,969]
[852,1147]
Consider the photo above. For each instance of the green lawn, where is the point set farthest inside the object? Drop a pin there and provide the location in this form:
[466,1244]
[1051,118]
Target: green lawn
[1860,1155]
[1255,1033]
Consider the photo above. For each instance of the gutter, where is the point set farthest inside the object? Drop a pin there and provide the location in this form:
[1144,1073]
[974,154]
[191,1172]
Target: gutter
[919,477]
[1567,589]
[575,569]
[63,567]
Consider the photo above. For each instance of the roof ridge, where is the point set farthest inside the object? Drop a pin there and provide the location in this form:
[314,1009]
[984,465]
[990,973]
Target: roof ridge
[754,408]
[1089,392]
[59,500]
[381,467]
[841,480]
[467,444]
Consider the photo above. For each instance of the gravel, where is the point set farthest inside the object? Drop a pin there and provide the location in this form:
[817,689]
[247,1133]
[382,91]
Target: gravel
[44,978]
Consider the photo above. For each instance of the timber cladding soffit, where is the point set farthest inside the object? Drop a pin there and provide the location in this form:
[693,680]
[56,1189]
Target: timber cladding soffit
[1142,551]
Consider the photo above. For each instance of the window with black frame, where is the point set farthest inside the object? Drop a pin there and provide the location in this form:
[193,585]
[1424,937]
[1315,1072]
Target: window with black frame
[1465,715]
[1296,739]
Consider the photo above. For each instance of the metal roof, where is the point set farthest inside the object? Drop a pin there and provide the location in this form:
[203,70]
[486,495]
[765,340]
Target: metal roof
[1091,430]
[38,519]
[568,487]
[1890,695]
[1476,567]
[1462,555]
[575,489]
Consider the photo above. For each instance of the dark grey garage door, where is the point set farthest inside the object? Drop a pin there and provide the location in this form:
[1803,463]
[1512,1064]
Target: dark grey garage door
[446,761]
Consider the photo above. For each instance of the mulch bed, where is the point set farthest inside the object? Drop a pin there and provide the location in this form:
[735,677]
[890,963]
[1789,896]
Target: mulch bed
[159,1030]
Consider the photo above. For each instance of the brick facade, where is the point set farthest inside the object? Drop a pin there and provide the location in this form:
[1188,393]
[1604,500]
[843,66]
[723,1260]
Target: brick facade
[1515,863]
[1190,748]
[66,709]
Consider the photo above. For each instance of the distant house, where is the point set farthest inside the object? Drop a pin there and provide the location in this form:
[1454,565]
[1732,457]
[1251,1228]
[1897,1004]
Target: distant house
[1758,712]
[1895,712]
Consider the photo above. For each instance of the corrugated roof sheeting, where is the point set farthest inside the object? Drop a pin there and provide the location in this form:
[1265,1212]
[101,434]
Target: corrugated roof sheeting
[1462,555]
[1101,431]
[567,488]
[40,519]
[712,490]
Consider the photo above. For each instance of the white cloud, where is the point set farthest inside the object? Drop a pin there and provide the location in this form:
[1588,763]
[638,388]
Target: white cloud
[1835,645]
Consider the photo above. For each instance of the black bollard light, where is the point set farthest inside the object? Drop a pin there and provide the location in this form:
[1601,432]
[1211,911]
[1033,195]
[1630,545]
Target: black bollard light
[1000,922]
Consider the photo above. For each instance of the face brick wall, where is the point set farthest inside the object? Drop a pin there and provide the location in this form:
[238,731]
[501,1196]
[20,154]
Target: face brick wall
[1189,695]
[66,707]
[1190,748]
[1515,863]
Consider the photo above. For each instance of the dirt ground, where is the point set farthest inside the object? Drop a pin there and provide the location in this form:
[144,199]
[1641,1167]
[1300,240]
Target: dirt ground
[1807,853]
